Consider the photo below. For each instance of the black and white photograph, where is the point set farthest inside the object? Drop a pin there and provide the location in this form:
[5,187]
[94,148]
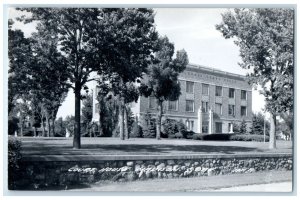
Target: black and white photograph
[156,99]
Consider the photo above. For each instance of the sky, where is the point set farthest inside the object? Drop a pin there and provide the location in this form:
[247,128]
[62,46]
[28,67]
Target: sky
[192,29]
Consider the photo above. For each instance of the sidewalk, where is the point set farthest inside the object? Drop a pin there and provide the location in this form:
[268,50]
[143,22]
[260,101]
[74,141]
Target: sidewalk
[236,182]
[271,187]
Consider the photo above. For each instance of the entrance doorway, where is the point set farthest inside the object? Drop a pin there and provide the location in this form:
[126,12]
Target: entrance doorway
[218,127]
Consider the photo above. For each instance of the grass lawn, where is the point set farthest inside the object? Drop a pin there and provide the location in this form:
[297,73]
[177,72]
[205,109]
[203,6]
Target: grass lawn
[141,146]
[195,184]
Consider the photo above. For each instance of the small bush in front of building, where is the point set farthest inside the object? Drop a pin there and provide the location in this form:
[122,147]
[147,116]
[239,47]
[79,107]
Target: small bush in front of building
[172,126]
[243,127]
[171,136]
[163,135]
[248,137]
[188,134]
[148,126]
[197,136]
[178,135]
[217,136]
[236,128]
[213,137]
[137,131]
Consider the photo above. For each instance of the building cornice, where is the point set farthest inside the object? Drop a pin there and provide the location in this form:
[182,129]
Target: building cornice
[214,70]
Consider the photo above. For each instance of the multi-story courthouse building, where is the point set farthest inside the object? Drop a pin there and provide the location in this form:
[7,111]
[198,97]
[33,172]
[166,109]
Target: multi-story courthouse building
[211,101]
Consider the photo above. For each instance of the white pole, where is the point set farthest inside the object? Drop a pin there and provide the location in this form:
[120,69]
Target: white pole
[264,130]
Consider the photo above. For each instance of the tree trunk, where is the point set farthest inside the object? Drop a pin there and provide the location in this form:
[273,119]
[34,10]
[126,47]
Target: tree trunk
[88,129]
[43,125]
[48,125]
[121,114]
[21,128]
[34,131]
[76,137]
[100,117]
[158,119]
[126,123]
[53,126]
[272,141]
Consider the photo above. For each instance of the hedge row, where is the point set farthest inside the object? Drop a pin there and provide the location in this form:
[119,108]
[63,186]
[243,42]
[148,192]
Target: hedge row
[230,137]
[248,137]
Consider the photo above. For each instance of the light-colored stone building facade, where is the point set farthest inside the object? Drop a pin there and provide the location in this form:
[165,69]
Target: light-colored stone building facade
[211,101]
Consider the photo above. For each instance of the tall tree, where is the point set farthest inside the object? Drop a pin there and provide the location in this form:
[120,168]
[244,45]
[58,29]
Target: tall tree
[162,77]
[266,41]
[131,54]
[92,39]
[20,61]
[37,73]
[259,123]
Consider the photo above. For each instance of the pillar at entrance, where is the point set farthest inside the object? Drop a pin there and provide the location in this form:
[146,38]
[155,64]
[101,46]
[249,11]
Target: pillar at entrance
[210,122]
[231,128]
[199,124]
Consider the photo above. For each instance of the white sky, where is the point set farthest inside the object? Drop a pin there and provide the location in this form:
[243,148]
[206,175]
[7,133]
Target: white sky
[192,29]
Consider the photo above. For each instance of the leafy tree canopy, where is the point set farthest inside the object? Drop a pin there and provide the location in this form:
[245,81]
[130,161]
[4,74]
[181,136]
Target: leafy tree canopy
[266,41]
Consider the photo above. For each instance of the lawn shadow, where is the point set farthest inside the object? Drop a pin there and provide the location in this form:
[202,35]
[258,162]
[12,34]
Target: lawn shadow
[134,149]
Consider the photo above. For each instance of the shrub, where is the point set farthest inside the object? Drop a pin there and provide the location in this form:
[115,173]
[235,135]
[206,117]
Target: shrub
[149,130]
[236,128]
[243,127]
[14,156]
[215,136]
[171,127]
[163,135]
[188,134]
[171,136]
[248,137]
[178,135]
[148,124]
[197,136]
[227,137]
[137,131]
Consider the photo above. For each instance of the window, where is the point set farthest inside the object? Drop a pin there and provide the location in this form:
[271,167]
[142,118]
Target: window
[190,87]
[243,94]
[204,105]
[190,125]
[173,105]
[243,110]
[231,93]
[218,108]
[231,110]
[205,89]
[218,91]
[152,103]
[189,106]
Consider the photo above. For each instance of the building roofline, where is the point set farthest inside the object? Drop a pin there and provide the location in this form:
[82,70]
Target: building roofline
[211,69]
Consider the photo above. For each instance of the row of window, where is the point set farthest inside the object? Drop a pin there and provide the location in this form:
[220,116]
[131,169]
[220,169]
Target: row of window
[218,93]
[190,107]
